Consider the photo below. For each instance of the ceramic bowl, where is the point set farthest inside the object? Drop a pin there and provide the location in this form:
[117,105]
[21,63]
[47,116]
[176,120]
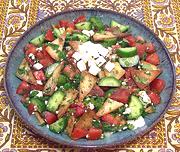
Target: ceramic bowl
[137,28]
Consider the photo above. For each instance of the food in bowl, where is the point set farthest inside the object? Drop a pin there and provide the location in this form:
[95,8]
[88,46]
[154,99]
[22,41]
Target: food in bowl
[88,79]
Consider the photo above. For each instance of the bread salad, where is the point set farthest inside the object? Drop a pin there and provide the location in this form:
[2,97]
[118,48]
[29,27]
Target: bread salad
[90,80]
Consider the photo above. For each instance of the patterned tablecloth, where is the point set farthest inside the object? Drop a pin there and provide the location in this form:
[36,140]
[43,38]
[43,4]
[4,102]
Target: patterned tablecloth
[162,16]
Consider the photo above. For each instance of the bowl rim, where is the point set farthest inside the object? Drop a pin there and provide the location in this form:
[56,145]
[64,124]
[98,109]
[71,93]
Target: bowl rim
[34,130]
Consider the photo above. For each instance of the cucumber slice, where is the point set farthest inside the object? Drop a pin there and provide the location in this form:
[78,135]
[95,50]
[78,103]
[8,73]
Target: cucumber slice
[40,104]
[129,62]
[58,32]
[126,52]
[59,125]
[123,28]
[83,26]
[109,42]
[38,41]
[109,82]
[50,69]
[55,100]
[97,23]
[79,37]
[124,43]
[136,107]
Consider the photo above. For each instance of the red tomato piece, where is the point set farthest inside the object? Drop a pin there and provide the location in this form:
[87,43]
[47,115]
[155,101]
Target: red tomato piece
[94,133]
[110,119]
[78,111]
[31,108]
[105,88]
[23,88]
[80,19]
[140,49]
[153,59]
[70,25]
[131,40]
[63,23]
[70,71]
[120,95]
[39,75]
[50,117]
[97,91]
[49,35]
[70,53]
[155,98]
[39,55]
[30,48]
[157,85]
[150,47]
[37,87]
[78,133]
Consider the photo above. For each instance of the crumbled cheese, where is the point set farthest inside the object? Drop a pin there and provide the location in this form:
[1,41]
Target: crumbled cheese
[46,102]
[91,106]
[107,134]
[87,136]
[68,48]
[39,82]
[94,70]
[88,33]
[91,62]
[144,97]
[126,105]
[109,66]
[81,65]
[31,56]
[77,56]
[57,112]
[39,49]
[137,123]
[40,94]
[100,61]
[124,128]
[124,83]
[102,136]
[56,88]
[38,66]
[47,126]
[127,111]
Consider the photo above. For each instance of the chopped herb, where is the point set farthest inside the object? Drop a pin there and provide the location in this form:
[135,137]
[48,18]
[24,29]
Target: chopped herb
[96,123]
[62,55]
[53,46]
[22,71]
[33,93]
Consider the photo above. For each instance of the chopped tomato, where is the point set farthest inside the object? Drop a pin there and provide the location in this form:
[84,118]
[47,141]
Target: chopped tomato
[153,59]
[131,40]
[78,133]
[37,87]
[94,133]
[49,35]
[155,98]
[140,50]
[46,60]
[63,23]
[23,88]
[39,55]
[97,91]
[39,75]
[157,85]
[70,53]
[110,119]
[70,25]
[50,117]
[70,71]
[78,111]
[80,19]
[149,47]
[31,108]
[105,88]
[30,48]
[120,95]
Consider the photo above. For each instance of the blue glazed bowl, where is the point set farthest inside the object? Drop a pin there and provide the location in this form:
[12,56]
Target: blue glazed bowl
[16,56]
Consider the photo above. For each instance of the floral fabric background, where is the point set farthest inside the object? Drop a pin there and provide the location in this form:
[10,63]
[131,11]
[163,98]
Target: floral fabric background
[162,16]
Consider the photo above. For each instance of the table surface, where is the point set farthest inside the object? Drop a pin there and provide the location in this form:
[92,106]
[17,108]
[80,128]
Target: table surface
[162,16]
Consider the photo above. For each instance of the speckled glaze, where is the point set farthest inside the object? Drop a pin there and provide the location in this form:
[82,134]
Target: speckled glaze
[137,28]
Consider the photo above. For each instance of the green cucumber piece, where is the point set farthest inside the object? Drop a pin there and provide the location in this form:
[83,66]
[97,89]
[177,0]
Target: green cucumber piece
[136,107]
[58,32]
[129,62]
[55,100]
[50,69]
[109,42]
[83,26]
[97,23]
[124,43]
[109,82]
[123,28]
[41,107]
[79,37]
[59,125]
[126,52]
[62,80]
[38,41]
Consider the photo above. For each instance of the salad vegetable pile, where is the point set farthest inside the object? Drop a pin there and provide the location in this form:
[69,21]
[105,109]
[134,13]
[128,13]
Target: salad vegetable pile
[88,79]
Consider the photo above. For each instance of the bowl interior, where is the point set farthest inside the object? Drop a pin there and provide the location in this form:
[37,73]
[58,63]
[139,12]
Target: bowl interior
[11,82]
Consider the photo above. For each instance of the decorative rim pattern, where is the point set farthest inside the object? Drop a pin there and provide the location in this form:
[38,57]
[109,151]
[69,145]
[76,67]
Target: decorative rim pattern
[91,146]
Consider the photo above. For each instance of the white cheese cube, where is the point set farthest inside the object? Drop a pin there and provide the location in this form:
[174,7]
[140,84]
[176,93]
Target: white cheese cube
[102,50]
[91,62]
[77,56]
[144,97]
[31,56]
[137,123]
[91,106]
[100,61]
[109,66]
[38,66]
[88,33]
[94,70]
[81,65]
